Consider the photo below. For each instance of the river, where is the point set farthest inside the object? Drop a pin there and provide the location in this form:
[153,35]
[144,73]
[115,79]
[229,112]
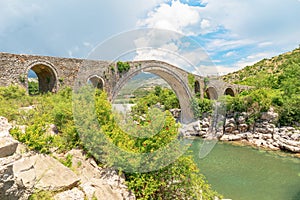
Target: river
[244,173]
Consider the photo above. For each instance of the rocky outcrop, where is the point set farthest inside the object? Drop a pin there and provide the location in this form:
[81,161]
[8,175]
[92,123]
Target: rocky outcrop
[102,183]
[262,133]
[22,172]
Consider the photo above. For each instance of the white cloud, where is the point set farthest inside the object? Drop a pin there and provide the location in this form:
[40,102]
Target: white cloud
[264,44]
[177,17]
[229,54]
[227,44]
[215,70]
[55,27]
[205,24]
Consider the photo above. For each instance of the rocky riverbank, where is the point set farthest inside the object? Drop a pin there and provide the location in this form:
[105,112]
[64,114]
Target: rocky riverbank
[24,172]
[263,133]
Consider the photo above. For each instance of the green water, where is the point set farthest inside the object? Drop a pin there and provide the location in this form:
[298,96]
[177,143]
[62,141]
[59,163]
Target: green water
[244,173]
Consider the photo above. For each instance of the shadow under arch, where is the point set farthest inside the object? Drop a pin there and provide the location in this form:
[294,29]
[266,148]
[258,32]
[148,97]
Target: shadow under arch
[197,87]
[46,74]
[229,91]
[96,81]
[174,79]
[211,93]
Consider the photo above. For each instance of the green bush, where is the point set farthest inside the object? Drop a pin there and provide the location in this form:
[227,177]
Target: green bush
[33,88]
[201,106]
[123,66]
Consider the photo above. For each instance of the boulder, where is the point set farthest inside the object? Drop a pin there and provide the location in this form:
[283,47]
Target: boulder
[234,137]
[229,129]
[260,142]
[8,146]
[44,173]
[96,181]
[74,194]
[269,116]
[241,119]
[243,128]
[10,187]
[4,127]
[295,137]
[52,129]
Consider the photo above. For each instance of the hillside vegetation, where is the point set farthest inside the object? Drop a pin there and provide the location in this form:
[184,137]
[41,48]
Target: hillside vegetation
[179,180]
[276,84]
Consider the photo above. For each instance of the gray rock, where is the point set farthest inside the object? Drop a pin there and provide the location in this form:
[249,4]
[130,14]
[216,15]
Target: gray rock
[267,136]
[74,194]
[4,127]
[270,116]
[260,142]
[243,128]
[229,129]
[44,173]
[10,187]
[52,129]
[8,146]
[241,120]
[99,182]
[295,137]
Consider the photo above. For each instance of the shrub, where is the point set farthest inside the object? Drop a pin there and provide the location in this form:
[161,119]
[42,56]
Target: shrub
[123,66]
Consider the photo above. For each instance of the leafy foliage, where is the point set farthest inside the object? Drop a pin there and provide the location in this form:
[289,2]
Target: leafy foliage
[48,109]
[179,180]
[163,96]
[277,84]
[33,88]
[201,107]
[123,66]
[191,81]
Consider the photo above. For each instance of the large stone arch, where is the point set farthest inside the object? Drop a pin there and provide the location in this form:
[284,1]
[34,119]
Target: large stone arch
[171,76]
[211,93]
[96,81]
[229,91]
[47,76]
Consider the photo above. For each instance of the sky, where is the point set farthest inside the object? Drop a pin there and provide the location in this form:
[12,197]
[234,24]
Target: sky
[223,35]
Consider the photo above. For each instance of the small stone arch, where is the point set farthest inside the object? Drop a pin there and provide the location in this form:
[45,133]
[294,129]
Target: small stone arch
[197,87]
[96,81]
[46,74]
[229,91]
[211,93]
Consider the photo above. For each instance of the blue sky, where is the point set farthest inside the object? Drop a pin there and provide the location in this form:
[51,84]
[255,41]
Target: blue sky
[233,33]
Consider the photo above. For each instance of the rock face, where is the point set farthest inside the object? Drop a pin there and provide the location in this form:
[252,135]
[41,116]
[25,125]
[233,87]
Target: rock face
[95,181]
[23,173]
[263,133]
[44,173]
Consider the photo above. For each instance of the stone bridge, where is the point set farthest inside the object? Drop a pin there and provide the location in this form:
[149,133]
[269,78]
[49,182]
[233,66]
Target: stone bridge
[54,73]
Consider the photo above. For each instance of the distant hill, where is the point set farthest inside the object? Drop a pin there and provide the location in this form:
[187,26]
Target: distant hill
[267,72]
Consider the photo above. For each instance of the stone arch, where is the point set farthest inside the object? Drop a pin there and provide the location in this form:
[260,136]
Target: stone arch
[96,81]
[46,74]
[229,91]
[197,87]
[169,74]
[211,93]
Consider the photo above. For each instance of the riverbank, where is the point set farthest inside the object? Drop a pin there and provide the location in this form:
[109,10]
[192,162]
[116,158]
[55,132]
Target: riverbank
[261,134]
